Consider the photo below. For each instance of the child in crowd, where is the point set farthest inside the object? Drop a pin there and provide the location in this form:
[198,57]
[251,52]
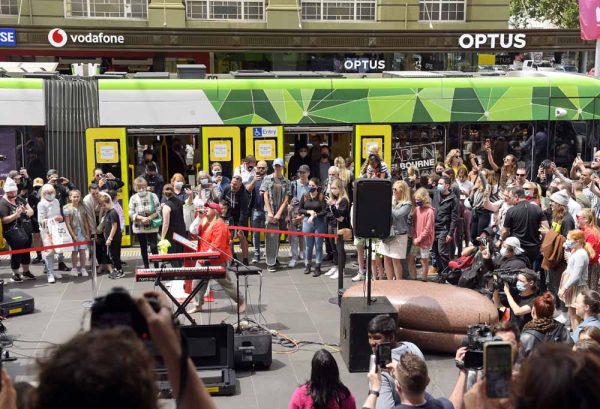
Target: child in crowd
[111,227]
[118,208]
[77,223]
[423,229]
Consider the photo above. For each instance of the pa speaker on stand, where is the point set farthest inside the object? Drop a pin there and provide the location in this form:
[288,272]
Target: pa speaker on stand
[372,216]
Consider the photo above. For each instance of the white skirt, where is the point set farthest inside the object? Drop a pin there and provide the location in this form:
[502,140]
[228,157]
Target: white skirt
[394,247]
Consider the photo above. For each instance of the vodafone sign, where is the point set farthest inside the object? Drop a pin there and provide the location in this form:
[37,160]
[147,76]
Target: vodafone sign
[57,37]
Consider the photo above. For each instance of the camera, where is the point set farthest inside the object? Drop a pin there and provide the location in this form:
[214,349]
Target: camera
[477,336]
[117,308]
[499,277]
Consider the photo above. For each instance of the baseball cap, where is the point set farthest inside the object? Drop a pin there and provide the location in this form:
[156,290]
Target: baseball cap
[278,162]
[10,186]
[38,182]
[514,243]
[304,168]
[215,206]
[51,172]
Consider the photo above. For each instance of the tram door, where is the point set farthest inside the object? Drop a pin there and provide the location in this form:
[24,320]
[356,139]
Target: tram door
[265,143]
[221,144]
[368,137]
[106,148]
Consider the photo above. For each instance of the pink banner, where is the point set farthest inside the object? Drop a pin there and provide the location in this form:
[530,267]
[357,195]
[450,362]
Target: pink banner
[589,19]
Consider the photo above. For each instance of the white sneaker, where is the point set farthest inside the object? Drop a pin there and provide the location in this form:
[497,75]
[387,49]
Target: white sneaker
[331,271]
[360,276]
[56,275]
[335,275]
[51,279]
[292,263]
[83,272]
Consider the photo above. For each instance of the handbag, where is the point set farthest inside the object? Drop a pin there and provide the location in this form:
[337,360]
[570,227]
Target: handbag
[16,237]
[26,224]
[157,221]
[345,233]
[59,234]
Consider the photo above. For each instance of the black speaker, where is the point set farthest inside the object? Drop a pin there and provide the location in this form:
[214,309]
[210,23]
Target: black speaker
[354,339]
[209,346]
[253,351]
[372,208]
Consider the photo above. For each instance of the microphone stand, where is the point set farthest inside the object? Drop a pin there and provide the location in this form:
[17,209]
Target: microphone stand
[237,265]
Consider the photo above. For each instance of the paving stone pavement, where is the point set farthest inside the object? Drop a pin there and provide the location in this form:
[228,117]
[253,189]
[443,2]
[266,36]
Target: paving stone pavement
[291,302]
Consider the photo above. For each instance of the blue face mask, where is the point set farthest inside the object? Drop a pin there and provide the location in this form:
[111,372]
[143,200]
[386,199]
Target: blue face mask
[569,244]
[520,286]
[440,188]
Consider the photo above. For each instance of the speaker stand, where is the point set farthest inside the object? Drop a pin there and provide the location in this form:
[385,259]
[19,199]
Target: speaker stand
[341,267]
[370,300]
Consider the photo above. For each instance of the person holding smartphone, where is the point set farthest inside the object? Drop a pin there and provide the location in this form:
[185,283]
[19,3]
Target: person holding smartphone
[411,379]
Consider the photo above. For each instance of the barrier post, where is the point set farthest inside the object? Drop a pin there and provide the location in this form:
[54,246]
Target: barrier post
[88,303]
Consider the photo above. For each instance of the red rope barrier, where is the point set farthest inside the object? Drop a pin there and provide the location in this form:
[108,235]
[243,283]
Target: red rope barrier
[286,232]
[55,246]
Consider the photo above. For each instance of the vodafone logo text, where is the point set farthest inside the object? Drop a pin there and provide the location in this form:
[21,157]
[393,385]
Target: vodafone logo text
[57,37]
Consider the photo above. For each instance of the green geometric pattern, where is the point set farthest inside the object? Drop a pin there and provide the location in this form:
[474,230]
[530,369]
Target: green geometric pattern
[386,100]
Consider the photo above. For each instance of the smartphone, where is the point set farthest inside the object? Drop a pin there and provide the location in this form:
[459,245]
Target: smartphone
[579,155]
[497,357]
[383,354]
[186,186]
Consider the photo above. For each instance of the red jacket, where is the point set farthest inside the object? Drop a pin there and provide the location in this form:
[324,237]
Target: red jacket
[216,234]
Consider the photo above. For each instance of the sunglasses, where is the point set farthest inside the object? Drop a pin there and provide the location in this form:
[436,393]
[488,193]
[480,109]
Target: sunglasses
[521,175]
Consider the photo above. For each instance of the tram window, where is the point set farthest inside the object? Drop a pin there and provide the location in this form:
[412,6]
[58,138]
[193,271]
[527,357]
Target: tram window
[421,146]
[568,139]
[502,138]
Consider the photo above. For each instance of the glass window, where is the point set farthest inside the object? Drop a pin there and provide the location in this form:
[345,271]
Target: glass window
[126,9]
[9,7]
[442,10]
[225,10]
[352,10]
[420,146]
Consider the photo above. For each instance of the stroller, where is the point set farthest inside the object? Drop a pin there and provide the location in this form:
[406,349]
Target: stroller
[453,273]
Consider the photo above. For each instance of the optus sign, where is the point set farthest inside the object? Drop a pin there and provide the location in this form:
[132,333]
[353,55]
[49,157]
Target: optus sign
[494,40]
[57,37]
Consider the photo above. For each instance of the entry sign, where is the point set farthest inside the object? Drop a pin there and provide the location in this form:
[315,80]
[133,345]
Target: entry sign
[8,37]
[265,131]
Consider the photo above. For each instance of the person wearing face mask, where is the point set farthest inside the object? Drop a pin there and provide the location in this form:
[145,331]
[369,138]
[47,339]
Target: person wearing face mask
[179,191]
[574,280]
[314,208]
[532,193]
[143,207]
[299,158]
[423,228]
[247,170]
[257,206]
[321,167]
[220,181]
[12,210]
[154,180]
[445,203]
[49,208]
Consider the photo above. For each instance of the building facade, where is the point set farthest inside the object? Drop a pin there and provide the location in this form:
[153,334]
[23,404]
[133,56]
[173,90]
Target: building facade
[275,35]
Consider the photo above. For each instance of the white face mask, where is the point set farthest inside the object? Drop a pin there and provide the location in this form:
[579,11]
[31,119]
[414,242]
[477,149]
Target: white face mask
[178,185]
[503,251]
[142,193]
[50,197]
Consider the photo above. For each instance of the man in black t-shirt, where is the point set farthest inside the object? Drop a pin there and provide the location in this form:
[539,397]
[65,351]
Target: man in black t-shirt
[523,221]
[236,197]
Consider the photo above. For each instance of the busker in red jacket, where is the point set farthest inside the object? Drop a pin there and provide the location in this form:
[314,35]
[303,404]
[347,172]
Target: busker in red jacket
[212,229]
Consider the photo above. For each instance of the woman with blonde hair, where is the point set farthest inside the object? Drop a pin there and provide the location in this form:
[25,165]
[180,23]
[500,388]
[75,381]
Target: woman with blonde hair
[423,228]
[344,174]
[454,161]
[508,171]
[586,218]
[48,209]
[339,208]
[394,248]
[575,277]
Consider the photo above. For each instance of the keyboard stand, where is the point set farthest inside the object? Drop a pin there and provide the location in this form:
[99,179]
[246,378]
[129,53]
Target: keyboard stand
[181,307]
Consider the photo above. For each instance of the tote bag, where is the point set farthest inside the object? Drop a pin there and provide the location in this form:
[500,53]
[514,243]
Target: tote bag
[58,234]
